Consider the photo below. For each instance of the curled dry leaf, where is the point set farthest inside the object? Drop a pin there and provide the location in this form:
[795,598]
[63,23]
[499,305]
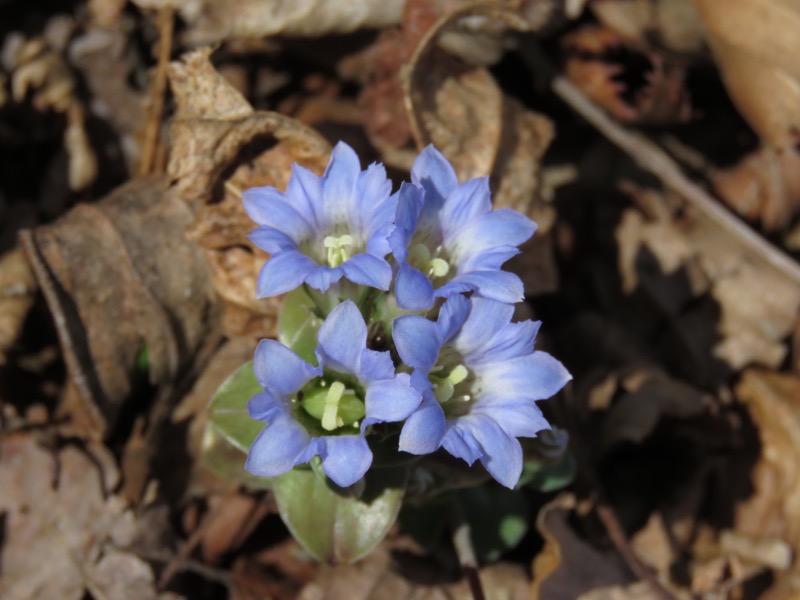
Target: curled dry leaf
[464,113]
[634,85]
[57,536]
[220,147]
[211,21]
[756,46]
[124,286]
[670,24]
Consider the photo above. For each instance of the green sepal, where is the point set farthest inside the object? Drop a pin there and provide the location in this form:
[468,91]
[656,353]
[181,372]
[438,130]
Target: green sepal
[298,324]
[332,524]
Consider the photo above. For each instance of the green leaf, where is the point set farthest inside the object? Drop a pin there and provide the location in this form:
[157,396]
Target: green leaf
[548,465]
[333,526]
[227,410]
[498,519]
[298,325]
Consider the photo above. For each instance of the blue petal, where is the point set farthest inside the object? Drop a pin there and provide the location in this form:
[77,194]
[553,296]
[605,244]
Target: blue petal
[502,454]
[375,365]
[381,226]
[452,315]
[390,400]
[323,277]
[423,431]
[338,185]
[496,285]
[504,227]
[460,442]
[280,370]
[345,458]
[279,215]
[265,406]
[342,338]
[417,341]
[517,419]
[283,272]
[409,203]
[488,260]
[412,289]
[304,191]
[433,172]
[278,448]
[258,202]
[372,189]
[486,318]
[533,377]
[466,203]
[513,340]
[271,240]
[369,270]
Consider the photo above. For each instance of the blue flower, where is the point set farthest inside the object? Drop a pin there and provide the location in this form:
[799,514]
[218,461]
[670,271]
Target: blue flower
[448,239]
[480,379]
[324,410]
[322,229]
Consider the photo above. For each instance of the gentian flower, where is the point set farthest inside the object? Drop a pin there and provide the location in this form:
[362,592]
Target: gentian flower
[324,228]
[324,410]
[448,240]
[480,378]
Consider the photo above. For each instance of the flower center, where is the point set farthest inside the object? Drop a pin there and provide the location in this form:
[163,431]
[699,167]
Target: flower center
[334,405]
[432,265]
[444,388]
[338,248]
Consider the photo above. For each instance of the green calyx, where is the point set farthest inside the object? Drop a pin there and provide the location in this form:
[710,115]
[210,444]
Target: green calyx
[333,404]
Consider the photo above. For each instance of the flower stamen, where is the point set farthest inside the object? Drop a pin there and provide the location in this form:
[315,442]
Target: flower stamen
[330,417]
[337,248]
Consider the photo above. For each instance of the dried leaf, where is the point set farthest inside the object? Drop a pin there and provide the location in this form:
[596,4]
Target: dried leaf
[56,536]
[17,289]
[121,280]
[568,566]
[633,85]
[756,46]
[764,186]
[212,21]
[671,24]
[773,511]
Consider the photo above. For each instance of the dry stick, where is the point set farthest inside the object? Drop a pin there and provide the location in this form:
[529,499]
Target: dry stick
[653,159]
[158,89]
[610,521]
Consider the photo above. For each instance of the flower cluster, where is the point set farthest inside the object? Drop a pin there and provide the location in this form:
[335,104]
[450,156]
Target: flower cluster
[419,271]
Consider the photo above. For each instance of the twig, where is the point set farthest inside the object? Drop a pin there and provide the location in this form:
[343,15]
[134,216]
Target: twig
[465,552]
[621,543]
[166,24]
[653,159]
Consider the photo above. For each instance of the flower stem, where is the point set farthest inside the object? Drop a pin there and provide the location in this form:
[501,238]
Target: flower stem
[462,542]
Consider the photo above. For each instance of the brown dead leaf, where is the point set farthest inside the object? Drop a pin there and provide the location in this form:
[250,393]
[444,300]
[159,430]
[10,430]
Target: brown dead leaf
[377,577]
[56,537]
[17,290]
[773,511]
[757,49]
[633,85]
[121,280]
[569,566]
[211,21]
[764,186]
[670,24]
